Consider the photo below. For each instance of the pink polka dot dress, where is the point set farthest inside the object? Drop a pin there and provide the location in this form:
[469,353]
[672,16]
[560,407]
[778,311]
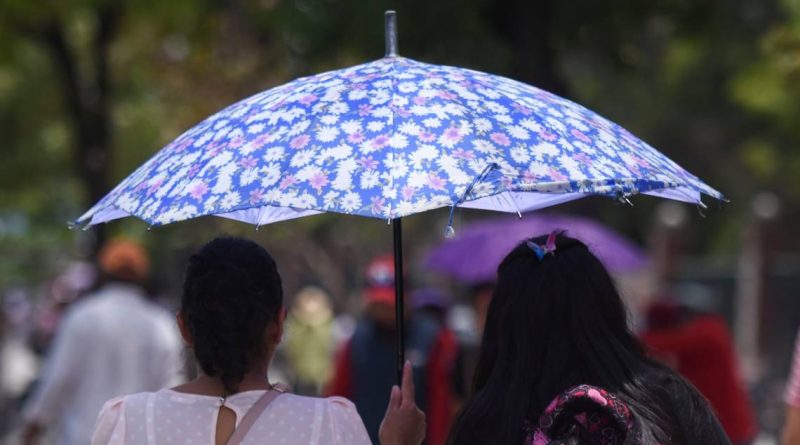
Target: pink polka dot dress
[167,417]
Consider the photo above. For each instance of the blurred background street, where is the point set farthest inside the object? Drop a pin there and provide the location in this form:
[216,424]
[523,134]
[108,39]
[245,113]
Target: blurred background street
[90,89]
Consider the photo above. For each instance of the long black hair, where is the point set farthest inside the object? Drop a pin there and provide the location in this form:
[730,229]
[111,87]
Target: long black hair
[231,294]
[557,322]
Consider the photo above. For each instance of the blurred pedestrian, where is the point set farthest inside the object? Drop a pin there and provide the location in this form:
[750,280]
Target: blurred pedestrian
[791,427]
[432,303]
[559,363]
[68,287]
[111,342]
[365,365]
[699,346]
[309,344]
[5,410]
[469,337]
[232,315]
[18,363]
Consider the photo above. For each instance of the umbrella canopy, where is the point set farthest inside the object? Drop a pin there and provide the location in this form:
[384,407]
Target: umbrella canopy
[473,256]
[388,139]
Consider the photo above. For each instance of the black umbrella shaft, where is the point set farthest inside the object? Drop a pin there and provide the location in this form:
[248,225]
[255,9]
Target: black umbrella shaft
[398,296]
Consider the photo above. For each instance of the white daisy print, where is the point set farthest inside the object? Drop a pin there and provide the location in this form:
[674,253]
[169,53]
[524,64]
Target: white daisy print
[350,201]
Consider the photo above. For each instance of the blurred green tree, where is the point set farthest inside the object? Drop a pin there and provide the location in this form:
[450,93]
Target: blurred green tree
[89,89]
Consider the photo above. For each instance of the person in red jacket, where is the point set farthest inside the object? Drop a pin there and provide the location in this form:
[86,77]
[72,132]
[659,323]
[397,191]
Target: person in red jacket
[365,366]
[699,346]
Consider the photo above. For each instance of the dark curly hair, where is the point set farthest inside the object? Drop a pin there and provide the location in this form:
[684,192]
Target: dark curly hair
[231,294]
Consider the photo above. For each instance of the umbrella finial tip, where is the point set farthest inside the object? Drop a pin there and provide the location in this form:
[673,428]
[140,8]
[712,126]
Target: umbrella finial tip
[390,29]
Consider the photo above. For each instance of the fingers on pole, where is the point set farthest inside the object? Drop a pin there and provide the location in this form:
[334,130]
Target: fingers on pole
[408,384]
[395,399]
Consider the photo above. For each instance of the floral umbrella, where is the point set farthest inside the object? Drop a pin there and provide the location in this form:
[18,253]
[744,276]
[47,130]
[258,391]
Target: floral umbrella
[388,139]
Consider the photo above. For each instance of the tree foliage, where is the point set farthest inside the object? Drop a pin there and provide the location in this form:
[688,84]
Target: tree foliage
[91,88]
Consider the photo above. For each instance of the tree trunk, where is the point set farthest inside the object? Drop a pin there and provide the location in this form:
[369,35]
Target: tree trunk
[88,103]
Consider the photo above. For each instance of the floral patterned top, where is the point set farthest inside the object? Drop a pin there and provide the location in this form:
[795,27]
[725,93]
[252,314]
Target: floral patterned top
[587,412]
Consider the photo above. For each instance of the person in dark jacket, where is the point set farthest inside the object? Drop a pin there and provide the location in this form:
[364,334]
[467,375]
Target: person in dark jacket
[365,365]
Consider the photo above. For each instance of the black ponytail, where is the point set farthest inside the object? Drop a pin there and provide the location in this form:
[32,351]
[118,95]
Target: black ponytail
[231,294]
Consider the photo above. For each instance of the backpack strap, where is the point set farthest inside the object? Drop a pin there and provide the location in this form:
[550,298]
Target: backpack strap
[254,413]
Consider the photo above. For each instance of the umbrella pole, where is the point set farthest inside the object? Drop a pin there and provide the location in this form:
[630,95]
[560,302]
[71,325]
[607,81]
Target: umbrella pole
[397,228]
[390,29]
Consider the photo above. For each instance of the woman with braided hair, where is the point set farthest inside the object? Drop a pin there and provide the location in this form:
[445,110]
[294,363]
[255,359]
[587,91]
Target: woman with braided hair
[232,317]
[559,365]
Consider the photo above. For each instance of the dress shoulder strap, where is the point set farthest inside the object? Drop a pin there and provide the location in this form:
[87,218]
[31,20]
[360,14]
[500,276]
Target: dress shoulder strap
[254,413]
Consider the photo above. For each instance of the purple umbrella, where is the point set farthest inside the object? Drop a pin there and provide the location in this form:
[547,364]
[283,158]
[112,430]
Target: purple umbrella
[472,257]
